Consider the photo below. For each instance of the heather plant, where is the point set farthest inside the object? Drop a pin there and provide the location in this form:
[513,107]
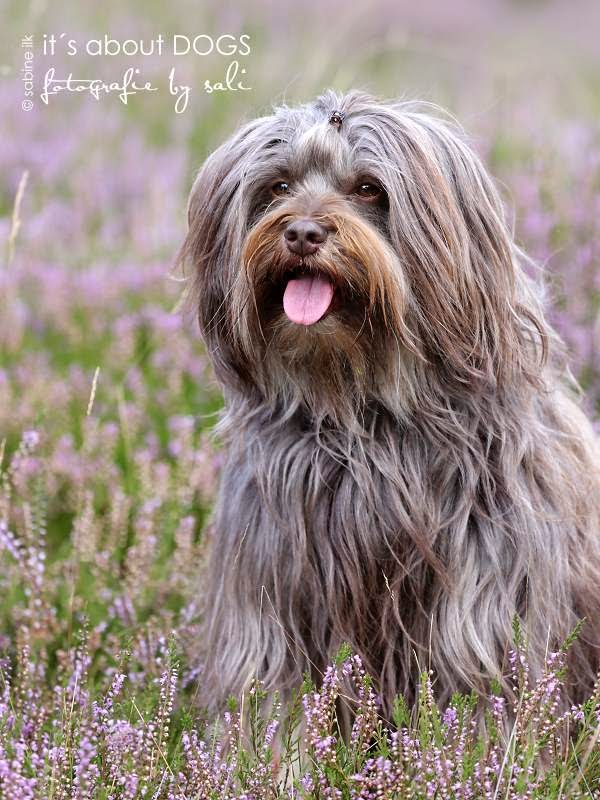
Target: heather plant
[105,709]
[98,677]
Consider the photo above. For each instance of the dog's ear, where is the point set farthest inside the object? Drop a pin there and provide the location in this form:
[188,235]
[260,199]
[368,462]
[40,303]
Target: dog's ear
[210,254]
[473,305]
[203,253]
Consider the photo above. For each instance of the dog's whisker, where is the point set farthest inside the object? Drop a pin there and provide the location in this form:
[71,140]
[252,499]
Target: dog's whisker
[357,337]
[211,321]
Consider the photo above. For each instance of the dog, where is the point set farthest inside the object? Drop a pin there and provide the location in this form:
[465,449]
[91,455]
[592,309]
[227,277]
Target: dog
[407,466]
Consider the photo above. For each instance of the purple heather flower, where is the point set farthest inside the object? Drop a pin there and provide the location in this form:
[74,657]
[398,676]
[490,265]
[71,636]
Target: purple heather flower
[450,717]
[31,439]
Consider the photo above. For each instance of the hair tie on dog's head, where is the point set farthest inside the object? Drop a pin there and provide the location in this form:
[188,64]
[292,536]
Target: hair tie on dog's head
[336,118]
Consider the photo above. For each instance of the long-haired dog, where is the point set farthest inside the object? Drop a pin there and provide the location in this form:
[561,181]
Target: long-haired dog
[406,469]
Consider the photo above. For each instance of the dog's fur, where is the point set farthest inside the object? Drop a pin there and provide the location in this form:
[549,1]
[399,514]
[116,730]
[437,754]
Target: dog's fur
[412,471]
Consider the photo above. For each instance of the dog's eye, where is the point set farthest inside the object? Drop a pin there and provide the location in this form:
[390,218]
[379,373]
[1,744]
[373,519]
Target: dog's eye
[368,191]
[281,187]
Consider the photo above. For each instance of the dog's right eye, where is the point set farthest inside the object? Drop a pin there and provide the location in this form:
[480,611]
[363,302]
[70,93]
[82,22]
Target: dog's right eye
[281,187]
[368,191]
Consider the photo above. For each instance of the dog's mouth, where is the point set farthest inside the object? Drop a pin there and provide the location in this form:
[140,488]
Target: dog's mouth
[307,297]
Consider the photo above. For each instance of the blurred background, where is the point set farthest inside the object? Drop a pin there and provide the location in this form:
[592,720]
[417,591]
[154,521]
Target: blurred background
[106,397]
[104,205]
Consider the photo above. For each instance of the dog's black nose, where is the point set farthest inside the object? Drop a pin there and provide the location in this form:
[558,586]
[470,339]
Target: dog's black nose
[304,236]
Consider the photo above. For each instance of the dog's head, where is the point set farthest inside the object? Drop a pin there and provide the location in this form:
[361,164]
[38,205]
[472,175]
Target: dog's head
[351,250]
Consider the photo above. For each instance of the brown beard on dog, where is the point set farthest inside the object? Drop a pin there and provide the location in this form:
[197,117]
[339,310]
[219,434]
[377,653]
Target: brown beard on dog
[407,469]
[367,309]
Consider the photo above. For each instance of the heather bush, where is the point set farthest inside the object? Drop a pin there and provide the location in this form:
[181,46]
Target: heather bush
[98,674]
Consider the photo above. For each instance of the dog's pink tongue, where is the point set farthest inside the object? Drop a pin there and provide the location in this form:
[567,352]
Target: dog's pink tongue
[306,299]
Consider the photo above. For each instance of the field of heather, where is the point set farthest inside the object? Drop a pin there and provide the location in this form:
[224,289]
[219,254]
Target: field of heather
[107,465]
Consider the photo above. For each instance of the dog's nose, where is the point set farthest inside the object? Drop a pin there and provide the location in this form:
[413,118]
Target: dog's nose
[304,236]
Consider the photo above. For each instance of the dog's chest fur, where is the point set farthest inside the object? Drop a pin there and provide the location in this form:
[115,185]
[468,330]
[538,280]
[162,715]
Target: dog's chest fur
[336,532]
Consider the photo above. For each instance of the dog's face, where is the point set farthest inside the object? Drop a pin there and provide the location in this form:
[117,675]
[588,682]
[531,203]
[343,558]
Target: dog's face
[343,248]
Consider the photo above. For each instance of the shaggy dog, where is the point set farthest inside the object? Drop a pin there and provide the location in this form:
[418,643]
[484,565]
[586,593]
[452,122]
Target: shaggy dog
[406,467]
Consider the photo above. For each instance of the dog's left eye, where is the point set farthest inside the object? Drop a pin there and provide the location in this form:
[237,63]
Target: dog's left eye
[368,191]
[281,187]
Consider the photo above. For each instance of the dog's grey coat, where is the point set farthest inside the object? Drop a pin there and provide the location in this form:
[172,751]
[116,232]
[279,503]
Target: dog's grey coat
[412,471]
